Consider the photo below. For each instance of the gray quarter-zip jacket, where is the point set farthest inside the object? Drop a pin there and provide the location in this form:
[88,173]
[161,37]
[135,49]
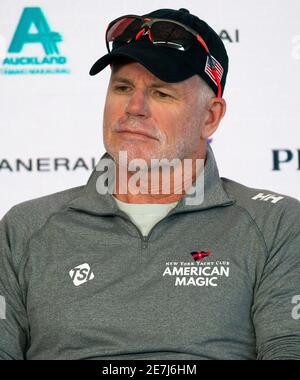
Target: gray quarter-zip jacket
[219,280]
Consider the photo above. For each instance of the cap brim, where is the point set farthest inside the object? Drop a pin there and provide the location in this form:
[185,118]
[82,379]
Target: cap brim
[167,64]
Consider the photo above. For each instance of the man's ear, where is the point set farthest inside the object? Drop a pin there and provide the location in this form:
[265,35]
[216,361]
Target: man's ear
[215,112]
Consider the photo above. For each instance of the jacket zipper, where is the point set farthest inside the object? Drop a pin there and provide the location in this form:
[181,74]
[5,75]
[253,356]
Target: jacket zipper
[145,239]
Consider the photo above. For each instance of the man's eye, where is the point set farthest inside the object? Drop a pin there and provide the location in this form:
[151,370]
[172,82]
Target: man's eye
[122,88]
[161,94]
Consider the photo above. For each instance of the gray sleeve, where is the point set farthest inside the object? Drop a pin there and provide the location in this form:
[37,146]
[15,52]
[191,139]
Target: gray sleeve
[13,321]
[276,325]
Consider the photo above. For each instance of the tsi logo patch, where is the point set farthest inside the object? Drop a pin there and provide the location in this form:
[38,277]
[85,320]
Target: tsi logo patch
[81,274]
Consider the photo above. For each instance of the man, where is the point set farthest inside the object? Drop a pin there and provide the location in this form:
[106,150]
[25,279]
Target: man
[90,273]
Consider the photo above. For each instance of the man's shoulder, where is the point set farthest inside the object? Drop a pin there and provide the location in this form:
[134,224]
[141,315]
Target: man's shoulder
[23,220]
[258,199]
[276,215]
[30,215]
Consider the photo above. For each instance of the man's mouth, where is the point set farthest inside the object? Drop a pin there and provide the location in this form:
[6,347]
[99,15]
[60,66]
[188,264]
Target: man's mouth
[136,133]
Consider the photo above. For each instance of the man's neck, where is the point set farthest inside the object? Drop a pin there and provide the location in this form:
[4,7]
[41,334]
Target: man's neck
[176,182]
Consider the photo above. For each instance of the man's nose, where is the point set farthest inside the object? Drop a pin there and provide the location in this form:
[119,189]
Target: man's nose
[137,104]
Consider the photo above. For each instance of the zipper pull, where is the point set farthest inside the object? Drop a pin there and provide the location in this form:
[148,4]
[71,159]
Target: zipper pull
[145,242]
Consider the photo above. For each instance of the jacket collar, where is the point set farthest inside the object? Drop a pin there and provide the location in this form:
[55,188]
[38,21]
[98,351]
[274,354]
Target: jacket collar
[104,204]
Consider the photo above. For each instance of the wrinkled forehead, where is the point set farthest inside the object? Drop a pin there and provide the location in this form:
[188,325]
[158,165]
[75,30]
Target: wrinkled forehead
[130,71]
[119,62]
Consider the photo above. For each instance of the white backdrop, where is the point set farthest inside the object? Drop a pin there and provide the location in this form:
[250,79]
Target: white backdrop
[48,118]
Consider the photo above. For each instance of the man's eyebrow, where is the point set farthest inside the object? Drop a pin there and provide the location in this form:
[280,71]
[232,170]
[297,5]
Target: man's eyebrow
[117,78]
[158,84]
[167,86]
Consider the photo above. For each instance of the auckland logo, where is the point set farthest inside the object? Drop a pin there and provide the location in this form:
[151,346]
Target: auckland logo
[42,41]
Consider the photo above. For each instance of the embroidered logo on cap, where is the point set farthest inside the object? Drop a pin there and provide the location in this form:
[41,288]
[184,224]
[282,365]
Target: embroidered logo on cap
[208,69]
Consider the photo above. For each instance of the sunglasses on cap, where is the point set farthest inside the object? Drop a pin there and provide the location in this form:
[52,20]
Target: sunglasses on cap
[163,33]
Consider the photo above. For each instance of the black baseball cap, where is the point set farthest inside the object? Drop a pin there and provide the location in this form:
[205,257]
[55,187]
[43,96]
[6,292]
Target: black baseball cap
[171,65]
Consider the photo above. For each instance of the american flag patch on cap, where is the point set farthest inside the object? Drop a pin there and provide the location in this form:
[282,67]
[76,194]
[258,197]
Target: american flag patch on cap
[219,69]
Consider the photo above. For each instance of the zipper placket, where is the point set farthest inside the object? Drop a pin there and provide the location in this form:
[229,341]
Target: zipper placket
[145,239]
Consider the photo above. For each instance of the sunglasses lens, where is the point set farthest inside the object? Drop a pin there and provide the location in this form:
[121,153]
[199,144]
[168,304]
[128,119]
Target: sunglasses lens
[123,31]
[163,33]
[171,35]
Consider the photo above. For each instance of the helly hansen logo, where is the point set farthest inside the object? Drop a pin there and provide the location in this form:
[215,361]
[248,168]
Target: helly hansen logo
[267,197]
[81,274]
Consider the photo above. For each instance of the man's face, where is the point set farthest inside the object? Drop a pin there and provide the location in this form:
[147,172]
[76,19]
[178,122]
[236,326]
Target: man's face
[150,118]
